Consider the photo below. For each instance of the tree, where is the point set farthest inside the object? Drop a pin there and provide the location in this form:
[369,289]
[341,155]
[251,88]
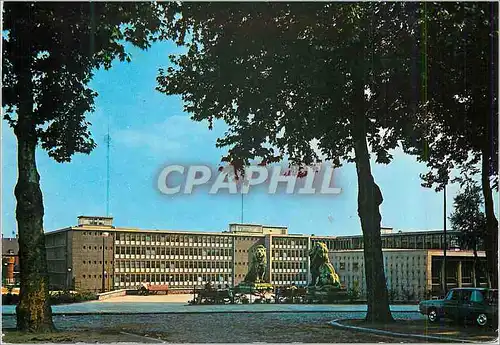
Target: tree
[282,75]
[49,53]
[470,221]
[457,126]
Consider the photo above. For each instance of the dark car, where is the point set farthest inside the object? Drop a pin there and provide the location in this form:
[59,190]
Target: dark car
[477,304]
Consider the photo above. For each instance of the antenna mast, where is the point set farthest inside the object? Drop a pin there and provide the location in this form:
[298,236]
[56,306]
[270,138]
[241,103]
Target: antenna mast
[108,141]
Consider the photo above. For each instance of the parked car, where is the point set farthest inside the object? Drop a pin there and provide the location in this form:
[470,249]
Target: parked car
[477,304]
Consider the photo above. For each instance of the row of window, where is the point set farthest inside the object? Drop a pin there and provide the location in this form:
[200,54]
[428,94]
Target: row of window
[162,238]
[289,276]
[289,242]
[122,250]
[96,248]
[122,264]
[169,278]
[429,241]
[96,276]
[355,266]
[389,257]
[293,253]
[89,262]
[92,233]
[289,265]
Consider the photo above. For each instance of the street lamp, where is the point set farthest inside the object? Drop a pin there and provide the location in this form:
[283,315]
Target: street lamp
[6,276]
[445,245]
[68,283]
[104,235]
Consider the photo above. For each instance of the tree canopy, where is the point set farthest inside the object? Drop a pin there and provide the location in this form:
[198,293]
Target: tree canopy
[457,126]
[65,43]
[459,119]
[469,218]
[282,75]
[50,51]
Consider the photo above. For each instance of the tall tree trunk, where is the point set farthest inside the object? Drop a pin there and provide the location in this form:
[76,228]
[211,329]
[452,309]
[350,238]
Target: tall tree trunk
[369,200]
[34,313]
[491,243]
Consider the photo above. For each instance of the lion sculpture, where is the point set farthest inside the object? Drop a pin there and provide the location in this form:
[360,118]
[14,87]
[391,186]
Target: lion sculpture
[257,267]
[322,271]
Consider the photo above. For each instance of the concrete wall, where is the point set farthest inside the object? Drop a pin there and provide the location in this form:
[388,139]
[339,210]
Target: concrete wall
[405,271]
[243,246]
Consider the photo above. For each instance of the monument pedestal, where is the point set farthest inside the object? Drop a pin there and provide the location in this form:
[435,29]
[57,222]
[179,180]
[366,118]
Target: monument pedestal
[252,288]
[326,294]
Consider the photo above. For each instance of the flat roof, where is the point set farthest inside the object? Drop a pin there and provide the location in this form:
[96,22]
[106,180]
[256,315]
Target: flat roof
[264,226]
[399,233]
[105,217]
[155,231]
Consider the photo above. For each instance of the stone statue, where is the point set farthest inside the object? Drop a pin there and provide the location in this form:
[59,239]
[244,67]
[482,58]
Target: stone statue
[257,268]
[322,272]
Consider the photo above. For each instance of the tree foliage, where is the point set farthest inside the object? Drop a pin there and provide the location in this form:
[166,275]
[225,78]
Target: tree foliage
[66,43]
[459,119]
[282,75]
[470,220]
[50,51]
[457,127]
[271,71]
[468,217]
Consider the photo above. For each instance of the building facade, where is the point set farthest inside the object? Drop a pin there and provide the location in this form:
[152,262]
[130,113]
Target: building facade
[411,274]
[97,256]
[10,261]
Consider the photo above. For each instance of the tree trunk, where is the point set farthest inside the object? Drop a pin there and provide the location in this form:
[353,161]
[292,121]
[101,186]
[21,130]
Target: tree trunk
[369,200]
[34,313]
[491,243]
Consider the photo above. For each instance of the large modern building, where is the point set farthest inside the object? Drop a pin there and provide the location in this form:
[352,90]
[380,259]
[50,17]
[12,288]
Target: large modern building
[97,256]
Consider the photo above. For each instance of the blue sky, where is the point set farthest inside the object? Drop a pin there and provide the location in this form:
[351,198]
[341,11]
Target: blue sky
[150,130]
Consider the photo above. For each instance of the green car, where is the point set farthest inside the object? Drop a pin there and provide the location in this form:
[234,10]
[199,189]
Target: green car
[464,304]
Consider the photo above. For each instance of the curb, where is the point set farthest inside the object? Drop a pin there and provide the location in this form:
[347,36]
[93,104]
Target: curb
[154,340]
[336,323]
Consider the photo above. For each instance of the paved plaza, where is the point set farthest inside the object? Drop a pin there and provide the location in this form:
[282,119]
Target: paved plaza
[170,319]
[223,327]
[167,319]
[151,306]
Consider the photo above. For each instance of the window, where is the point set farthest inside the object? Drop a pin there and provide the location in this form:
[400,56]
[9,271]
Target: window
[342,266]
[465,296]
[452,295]
[477,296]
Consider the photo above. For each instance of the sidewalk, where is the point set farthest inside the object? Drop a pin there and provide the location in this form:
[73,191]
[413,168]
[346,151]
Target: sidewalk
[422,330]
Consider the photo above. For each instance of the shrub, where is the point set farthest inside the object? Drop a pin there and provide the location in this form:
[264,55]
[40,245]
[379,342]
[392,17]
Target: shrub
[10,298]
[354,292]
[67,297]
